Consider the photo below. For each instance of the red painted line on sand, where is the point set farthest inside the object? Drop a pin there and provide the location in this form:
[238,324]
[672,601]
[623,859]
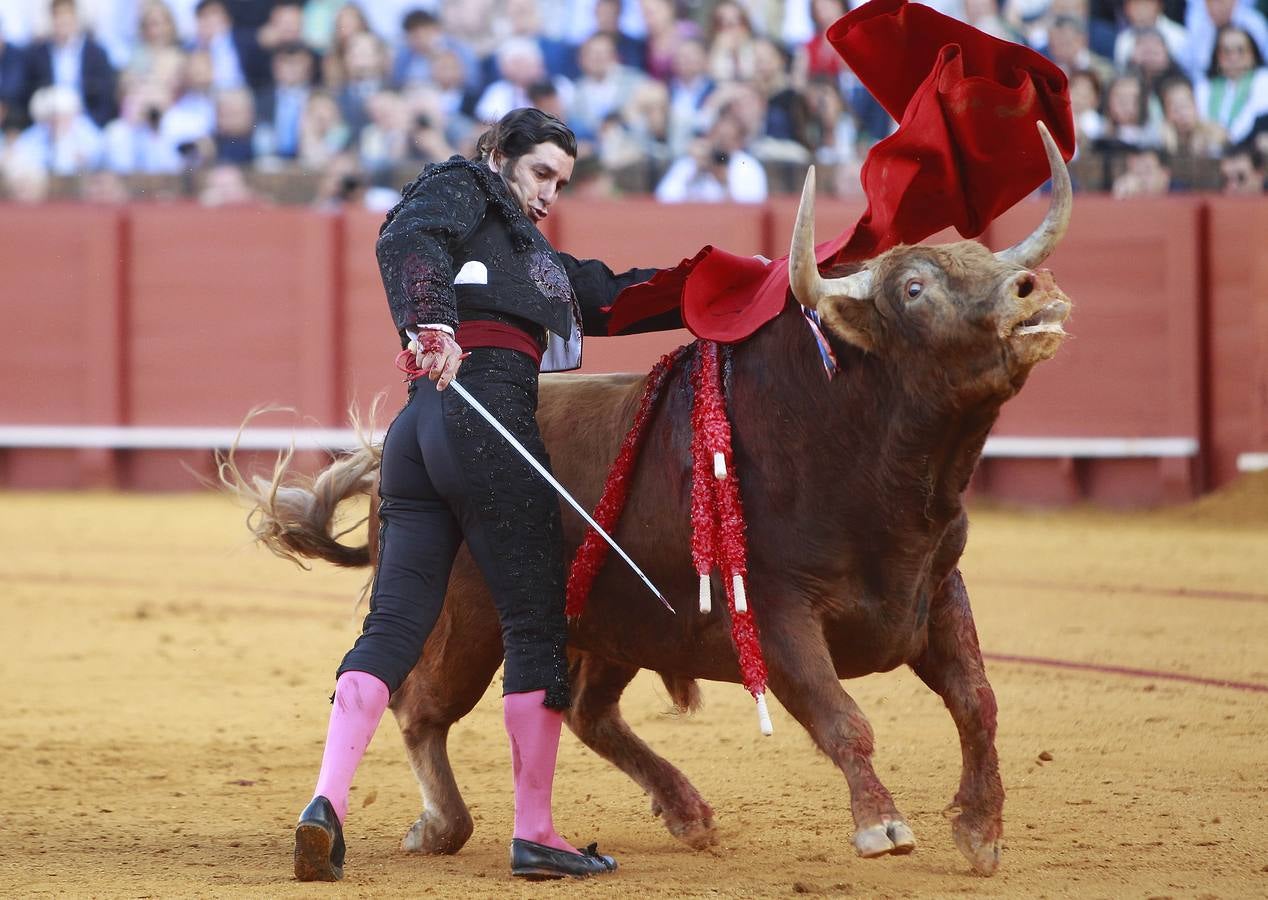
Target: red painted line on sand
[1128,671]
[139,584]
[1196,594]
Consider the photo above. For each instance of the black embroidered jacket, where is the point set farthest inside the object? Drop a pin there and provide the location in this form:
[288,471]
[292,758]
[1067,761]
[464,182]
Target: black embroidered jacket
[458,247]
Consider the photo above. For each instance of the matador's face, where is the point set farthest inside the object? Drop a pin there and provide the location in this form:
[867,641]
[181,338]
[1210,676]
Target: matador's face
[536,178]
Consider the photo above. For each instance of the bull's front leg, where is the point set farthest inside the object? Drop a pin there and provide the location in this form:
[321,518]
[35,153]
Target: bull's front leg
[952,666]
[803,677]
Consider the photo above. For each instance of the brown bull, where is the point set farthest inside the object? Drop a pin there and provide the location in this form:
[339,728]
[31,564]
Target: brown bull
[853,490]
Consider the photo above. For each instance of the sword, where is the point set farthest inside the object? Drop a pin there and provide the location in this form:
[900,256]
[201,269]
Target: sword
[563,492]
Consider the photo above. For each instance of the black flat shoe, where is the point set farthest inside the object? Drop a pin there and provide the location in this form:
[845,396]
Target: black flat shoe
[537,861]
[319,846]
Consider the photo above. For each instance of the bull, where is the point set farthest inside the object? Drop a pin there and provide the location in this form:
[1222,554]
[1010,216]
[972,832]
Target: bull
[854,493]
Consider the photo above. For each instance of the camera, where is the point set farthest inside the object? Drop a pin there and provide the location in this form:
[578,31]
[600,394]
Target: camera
[720,157]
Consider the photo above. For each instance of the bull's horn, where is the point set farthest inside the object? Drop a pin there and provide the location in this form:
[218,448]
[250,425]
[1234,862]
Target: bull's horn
[1035,249]
[808,286]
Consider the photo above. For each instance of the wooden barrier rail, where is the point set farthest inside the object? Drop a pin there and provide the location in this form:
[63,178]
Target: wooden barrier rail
[176,316]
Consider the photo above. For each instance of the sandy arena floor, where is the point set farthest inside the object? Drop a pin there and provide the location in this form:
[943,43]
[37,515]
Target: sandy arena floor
[165,704]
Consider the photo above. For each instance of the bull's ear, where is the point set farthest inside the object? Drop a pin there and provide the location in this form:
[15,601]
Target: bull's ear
[854,321]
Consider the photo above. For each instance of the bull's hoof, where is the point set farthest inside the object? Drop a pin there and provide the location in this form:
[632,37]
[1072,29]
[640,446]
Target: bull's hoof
[429,834]
[894,837]
[695,829]
[981,846]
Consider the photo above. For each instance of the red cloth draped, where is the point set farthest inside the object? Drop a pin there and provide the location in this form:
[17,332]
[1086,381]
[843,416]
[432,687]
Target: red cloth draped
[966,149]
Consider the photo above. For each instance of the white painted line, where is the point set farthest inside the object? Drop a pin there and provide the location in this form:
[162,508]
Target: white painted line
[1252,462]
[147,437]
[143,437]
[1091,448]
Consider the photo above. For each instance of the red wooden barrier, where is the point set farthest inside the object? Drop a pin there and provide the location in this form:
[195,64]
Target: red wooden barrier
[192,316]
[1131,368]
[1238,333]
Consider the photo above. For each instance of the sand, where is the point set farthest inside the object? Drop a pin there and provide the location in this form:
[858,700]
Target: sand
[166,685]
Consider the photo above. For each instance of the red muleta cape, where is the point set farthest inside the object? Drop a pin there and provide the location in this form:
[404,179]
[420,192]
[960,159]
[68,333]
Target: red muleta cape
[966,149]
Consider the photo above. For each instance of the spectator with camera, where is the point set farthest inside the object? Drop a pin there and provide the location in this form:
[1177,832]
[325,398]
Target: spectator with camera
[135,143]
[716,168]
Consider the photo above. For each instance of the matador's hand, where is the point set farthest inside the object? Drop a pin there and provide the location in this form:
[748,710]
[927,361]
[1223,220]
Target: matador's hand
[438,356]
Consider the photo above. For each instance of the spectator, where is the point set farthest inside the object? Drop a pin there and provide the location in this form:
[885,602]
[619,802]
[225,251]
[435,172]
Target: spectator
[644,138]
[689,88]
[104,188]
[817,58]
[25,182]
[605,85]
[1204,18]
[427,141]
[384,143]
[455,102]
[62,140]
[1185,135]
[226,185]
[1147,174]
[1151,62]
[1068,48]
[342,183]
[984,15]
[191,119]
[365,75]
[135,142]
[1085,106]
[322,132]
[233,138]
[730,43]
[280,108]
[385,17]
[833,133]
[284,28]
[630,50]
[664,33]
[787,111]
[521,65]
[423,39]
[715,169]
[350,22]
[1235,91]
[70,58]
[1147,14]
[12,84]
[544,95]
[1242,171]
[157,54]
[213,34]
[524,20]
[1127,114]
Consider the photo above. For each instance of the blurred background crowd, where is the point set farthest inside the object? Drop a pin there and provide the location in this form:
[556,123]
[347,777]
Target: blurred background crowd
[333,102]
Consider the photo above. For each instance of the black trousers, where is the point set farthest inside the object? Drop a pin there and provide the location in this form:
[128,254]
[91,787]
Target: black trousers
[448,477]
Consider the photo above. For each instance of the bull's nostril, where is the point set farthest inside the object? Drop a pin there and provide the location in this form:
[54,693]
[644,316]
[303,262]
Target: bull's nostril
[1025,284]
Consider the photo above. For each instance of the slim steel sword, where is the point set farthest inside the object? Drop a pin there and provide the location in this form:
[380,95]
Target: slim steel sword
[541,470]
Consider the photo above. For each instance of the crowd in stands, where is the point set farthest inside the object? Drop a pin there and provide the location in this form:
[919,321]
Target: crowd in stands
[334,102]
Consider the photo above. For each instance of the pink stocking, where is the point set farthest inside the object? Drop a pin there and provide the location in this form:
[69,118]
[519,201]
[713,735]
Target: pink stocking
[534,733]
[360,699]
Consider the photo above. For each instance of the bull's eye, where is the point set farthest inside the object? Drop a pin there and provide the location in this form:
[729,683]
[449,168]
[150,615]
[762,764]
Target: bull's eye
[914,287]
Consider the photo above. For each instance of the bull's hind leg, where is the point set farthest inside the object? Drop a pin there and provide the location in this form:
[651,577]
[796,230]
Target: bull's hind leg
[459,661]
[596,719]
[804,679]
[952,666]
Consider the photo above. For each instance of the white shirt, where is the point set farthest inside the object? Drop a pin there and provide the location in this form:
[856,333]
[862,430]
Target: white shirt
[68,63]
[685,182]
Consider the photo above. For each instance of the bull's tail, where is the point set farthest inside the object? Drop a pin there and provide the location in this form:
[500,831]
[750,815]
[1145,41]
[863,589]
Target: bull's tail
[294,515]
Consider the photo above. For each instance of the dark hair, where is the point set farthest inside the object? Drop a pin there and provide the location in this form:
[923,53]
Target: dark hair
[53,6]
[1245,148]
[417,18]
[208,4]
[1256,58]
[520,130]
